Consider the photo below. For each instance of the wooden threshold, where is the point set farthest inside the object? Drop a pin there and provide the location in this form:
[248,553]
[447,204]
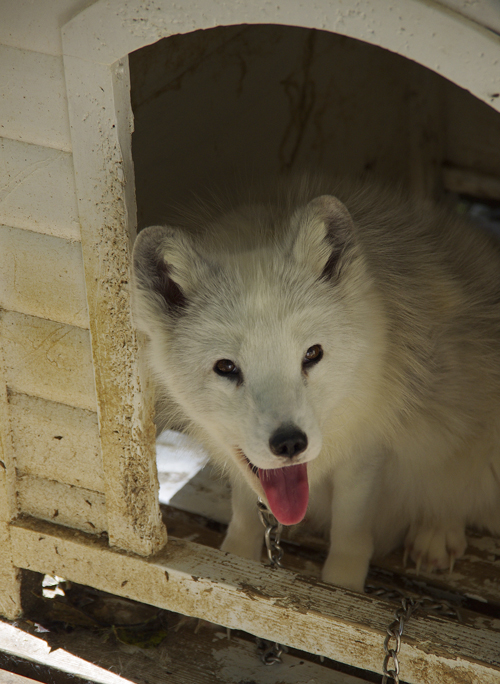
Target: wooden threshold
[293,609]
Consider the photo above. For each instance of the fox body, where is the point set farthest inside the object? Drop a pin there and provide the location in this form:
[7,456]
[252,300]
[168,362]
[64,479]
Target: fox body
[337,350]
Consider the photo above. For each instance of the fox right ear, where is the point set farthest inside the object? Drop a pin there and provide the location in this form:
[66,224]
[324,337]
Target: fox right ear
[325,236]
[165,270]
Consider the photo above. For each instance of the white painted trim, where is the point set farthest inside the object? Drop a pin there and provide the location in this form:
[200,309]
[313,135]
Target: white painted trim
[101,130]
[424,31]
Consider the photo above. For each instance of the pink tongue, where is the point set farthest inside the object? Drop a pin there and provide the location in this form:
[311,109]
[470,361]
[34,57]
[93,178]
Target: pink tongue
[287,492]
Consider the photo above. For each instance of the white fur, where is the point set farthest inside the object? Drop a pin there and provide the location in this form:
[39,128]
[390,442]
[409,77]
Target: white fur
[402,412]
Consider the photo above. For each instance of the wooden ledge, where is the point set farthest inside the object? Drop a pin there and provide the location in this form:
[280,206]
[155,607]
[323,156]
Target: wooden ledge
[280,605]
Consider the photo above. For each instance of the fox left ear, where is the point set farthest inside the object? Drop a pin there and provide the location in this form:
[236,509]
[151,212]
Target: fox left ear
[325,236]
[167,271]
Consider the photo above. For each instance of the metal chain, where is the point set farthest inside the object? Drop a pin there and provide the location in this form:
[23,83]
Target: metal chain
[270,653]
[272,535]
[395,630]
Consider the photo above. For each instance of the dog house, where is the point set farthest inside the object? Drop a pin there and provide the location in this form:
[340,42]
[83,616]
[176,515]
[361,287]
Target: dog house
[141,104]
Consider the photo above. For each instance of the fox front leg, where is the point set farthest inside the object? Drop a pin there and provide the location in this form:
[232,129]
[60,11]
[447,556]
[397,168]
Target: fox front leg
[245,533]
[351,538]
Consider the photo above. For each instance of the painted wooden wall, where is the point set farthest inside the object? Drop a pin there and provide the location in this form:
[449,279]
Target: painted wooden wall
[50,457]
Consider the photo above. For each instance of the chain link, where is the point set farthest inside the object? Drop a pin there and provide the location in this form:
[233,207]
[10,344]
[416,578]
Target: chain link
[408,607]
[395,632]
[270,653]
[272,535]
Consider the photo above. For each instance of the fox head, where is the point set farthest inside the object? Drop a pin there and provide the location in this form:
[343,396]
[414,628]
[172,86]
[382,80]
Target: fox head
[260,347]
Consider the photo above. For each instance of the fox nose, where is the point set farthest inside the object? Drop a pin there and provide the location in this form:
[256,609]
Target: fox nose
[288,441]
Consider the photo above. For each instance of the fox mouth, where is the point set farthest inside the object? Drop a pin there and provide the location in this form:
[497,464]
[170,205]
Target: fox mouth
[255,469]
[286,488]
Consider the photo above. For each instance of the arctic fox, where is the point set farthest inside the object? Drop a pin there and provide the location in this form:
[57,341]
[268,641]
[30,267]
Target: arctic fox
[338,351]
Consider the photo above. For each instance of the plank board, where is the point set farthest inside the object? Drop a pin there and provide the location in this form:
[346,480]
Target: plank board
[36,26]
[56,441]
[101,120]
[458,49]
[81,509]
[11,678]
[47,359]
[476,575]
[186,656]
[10,586]
[276,604]
[22,645]
[38,189]
[8,509]
[467,182]
[42,276]
[33,108]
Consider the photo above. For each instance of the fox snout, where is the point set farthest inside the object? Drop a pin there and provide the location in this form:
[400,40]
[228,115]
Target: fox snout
[288,441]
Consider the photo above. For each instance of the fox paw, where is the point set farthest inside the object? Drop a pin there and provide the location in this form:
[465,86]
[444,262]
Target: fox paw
[435,548]
[243,545]
[346,571]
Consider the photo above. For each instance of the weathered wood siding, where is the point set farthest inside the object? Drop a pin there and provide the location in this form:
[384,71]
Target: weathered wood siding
[38,189]
[48,359]
[100,101]
[48,403]
[36,109]
[43,276]
[55,441]
[74,507]
[44,339]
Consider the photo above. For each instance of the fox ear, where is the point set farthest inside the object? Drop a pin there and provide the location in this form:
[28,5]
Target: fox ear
[166,268]
[325,236]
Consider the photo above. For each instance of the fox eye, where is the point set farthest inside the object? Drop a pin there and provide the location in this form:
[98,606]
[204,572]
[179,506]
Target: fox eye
[227,368]
[312,356]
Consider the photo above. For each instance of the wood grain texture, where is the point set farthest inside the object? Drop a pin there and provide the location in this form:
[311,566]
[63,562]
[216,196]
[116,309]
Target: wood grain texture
[42,276]
[56,441]
[292,609]
[47,359]
[101,119]
[476,575]
[10,581]
[33,108]
[37,189]
[75,507]
[188,655]
[22,645]
[37,25]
